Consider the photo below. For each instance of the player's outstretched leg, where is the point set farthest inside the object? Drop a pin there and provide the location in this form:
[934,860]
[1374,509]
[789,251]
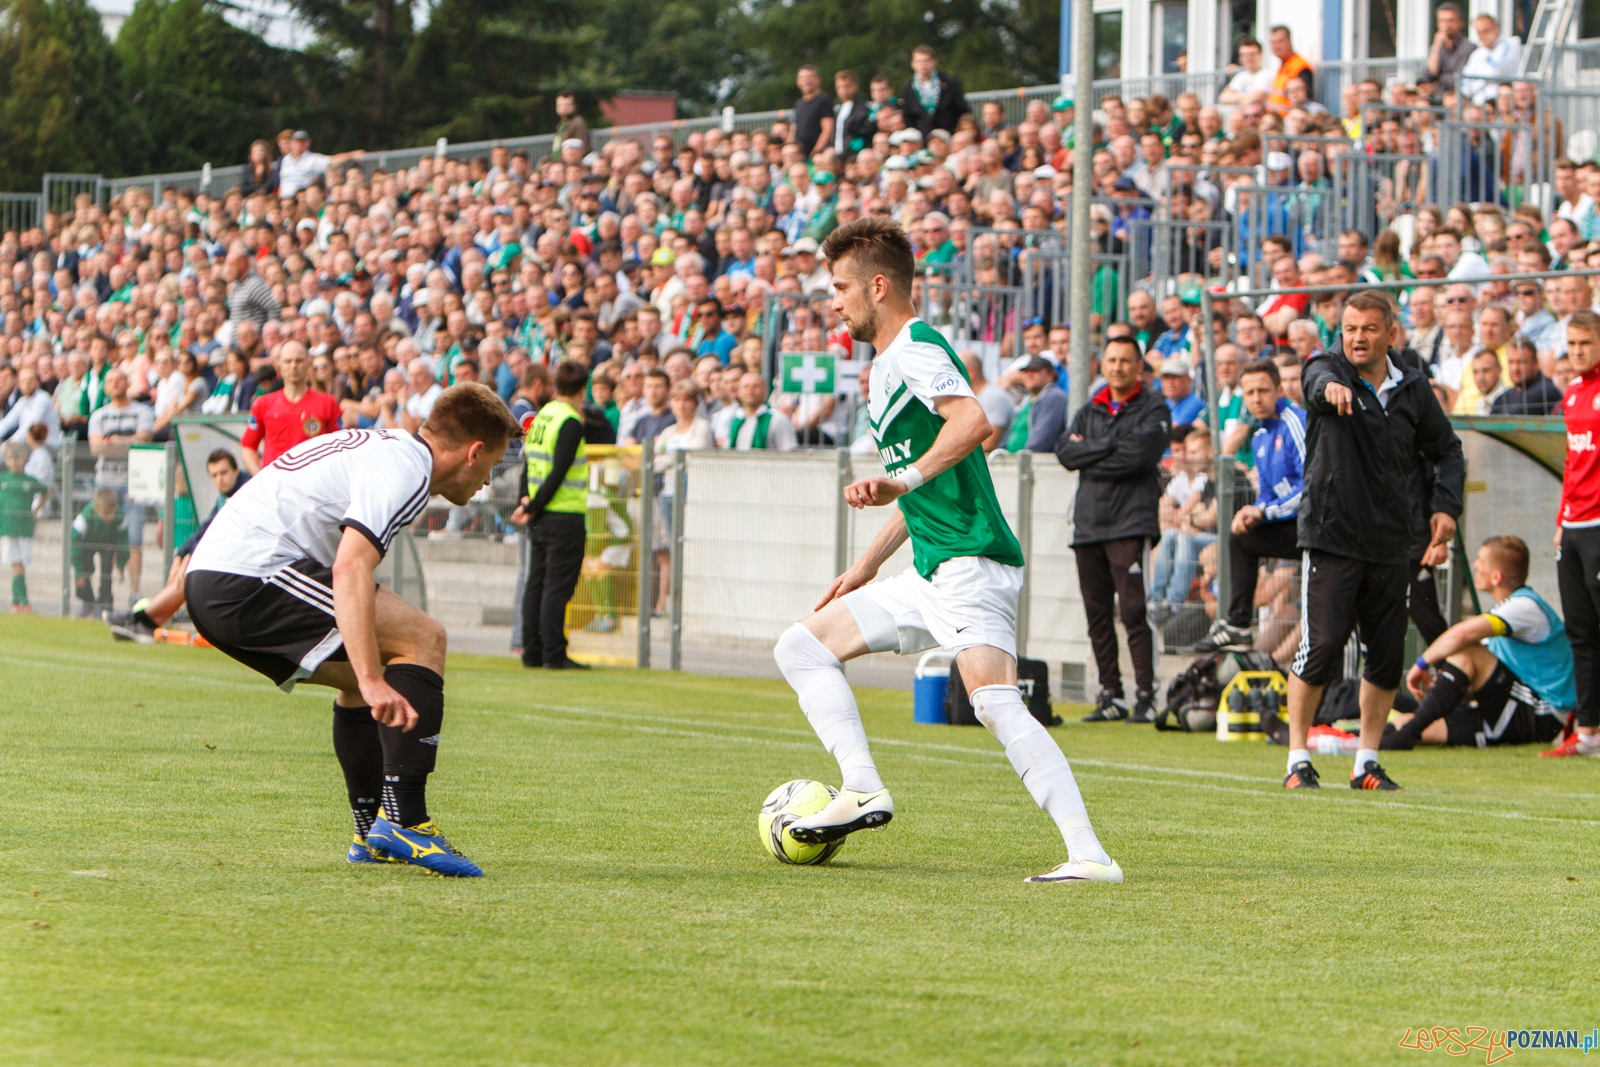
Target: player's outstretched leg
[403,830]
[817,676]
[1044,771]
[356,743]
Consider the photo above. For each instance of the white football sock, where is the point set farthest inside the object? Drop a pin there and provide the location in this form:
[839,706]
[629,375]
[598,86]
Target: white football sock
[818,679]
[1299,755]
[1364,756]
[1041,766]
[1588,743]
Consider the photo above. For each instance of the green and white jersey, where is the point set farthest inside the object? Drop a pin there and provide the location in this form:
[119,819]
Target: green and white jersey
[955,514]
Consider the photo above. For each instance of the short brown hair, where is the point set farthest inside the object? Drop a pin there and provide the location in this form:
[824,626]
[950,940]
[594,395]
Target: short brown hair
[1262,366]
[1373,300]
[570,378]
[1511,554]
[879,246]
[1585,320]
[471,411]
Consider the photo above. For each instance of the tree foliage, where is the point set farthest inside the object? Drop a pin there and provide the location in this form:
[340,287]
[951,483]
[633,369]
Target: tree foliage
[204,87]
[185,85]
[63,102]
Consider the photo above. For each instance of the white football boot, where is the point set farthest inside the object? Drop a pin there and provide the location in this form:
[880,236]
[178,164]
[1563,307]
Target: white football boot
[847,813]
[1081,871]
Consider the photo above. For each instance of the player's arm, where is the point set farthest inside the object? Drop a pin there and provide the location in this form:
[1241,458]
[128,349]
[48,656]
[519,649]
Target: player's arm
[884,545]
[355,610]
[250,440]
[965,427]
[1463,634]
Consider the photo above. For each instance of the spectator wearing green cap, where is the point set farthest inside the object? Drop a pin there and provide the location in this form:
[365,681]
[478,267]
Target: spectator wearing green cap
[825,216]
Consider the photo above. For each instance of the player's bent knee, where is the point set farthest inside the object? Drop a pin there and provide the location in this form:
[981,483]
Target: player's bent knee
[799,650]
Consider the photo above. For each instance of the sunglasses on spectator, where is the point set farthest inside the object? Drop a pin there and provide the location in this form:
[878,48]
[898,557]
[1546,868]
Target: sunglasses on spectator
[1528,291]
[1458,300]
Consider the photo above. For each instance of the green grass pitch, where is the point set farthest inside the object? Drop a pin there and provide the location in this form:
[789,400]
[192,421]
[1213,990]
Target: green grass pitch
[174,890]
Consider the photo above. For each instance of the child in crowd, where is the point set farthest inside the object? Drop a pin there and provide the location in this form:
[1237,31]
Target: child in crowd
[99,535]
[20,495]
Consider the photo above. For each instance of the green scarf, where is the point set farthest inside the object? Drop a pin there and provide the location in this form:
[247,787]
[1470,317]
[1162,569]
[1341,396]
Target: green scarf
[759,439]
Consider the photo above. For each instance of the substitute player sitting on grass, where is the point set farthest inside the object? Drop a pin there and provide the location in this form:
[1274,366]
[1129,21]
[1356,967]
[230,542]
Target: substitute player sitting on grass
[961,592]
[1500,678]
[282,582]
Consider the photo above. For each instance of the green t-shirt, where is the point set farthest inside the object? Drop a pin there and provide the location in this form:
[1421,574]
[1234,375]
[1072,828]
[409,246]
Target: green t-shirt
[16,503]
[956,513]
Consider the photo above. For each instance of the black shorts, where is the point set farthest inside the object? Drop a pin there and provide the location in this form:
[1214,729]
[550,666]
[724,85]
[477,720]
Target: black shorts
[1503,712]
[1338,596]
[281,625]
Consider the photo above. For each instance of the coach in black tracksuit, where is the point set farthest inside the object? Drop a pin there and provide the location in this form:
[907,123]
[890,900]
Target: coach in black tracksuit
[1371,416]
[1115,443]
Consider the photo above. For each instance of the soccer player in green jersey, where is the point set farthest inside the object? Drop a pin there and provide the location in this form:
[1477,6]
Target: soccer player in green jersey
[17,494]
[961,592]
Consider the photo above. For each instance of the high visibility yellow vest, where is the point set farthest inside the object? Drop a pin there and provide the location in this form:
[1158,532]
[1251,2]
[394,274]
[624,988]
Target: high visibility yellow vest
[573,495]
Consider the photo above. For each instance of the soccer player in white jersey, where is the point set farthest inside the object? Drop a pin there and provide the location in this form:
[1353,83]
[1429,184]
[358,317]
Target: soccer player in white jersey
[961,592]
[282,582]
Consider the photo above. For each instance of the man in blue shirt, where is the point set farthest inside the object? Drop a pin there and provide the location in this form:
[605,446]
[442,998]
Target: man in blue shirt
[1177,385]
[1502,678]
[1267,529]
[1175,341]
[714,338]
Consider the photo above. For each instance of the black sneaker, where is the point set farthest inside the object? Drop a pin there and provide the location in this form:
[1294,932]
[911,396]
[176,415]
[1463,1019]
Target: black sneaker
[1301,776]
[1375,777]
[1109,708]
[1223,635]
[1144,710]
[134,630]
[566,665]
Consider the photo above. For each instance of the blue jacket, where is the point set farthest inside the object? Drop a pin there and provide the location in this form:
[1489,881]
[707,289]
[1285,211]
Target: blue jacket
[1186,410]
[1280,450]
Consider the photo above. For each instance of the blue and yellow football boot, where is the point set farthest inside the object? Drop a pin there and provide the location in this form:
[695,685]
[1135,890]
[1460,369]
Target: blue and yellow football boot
[361,852]
[423,846]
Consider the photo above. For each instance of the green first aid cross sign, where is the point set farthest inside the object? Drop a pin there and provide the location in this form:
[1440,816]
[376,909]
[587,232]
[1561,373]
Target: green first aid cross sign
[807,372]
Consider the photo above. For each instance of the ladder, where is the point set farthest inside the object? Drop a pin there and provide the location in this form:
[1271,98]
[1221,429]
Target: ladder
[1552,24]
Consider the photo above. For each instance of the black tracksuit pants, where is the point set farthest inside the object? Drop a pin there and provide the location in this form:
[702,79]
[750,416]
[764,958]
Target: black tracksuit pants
[1578,577]
[1268,540]
[1111,575]
[555,544]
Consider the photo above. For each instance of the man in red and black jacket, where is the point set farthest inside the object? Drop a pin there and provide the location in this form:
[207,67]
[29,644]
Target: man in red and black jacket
[1115,443]
[1578,535]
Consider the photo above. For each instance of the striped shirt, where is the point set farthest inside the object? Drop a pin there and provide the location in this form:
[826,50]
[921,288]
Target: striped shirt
[251,299]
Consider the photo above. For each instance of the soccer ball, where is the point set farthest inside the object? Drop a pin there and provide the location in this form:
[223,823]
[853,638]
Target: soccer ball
[785,804]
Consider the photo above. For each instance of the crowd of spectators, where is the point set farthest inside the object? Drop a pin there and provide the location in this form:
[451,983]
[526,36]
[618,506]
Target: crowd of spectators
[677,268]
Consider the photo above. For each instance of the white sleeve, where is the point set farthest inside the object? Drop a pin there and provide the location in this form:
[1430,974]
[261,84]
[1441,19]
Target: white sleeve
[1524,617]
[780,434]
[930,373]
[385,496]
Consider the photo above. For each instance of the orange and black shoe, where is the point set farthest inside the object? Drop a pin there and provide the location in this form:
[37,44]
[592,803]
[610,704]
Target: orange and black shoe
[1375,777]
[1302,776]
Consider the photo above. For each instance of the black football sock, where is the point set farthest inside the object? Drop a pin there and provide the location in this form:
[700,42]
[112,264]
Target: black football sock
[408,757]
[360,752]
[1450,687]
[145,620]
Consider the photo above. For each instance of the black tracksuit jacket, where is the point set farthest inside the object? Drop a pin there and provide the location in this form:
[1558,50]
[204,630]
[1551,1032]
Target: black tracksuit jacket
[1359,467]
[1118,464]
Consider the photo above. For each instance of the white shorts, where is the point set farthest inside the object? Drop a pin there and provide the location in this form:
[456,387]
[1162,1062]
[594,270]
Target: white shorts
[971,601]
[16,550]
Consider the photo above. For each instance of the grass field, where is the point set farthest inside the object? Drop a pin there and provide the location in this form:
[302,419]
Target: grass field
[174,890]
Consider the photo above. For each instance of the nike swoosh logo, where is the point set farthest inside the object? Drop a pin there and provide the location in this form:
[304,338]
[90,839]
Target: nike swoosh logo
[963,628]
[864,803]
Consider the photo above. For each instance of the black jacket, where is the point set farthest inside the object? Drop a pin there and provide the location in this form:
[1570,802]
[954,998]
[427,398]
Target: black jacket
[1539,397]
[1360,467]
[1118,464]
[952,105]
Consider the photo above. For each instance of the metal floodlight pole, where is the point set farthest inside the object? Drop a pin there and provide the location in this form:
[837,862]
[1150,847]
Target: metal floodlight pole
[1082,196]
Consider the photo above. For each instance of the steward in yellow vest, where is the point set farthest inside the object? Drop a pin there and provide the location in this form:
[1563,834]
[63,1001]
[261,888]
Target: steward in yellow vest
[555,508]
